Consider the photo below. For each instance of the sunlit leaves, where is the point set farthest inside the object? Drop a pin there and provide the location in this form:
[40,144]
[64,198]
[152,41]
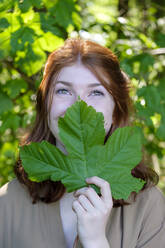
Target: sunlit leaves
[8,155]
[30,60]
[49,42]
[147,41]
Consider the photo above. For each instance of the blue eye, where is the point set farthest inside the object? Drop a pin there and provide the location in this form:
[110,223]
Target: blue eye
[62,91]
[97,93]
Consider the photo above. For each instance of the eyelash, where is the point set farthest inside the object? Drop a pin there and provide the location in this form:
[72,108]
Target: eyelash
[98,93]
[58,91]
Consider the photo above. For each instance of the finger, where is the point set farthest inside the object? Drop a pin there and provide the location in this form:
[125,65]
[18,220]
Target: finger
[92,196]
[77,208]
[85,203]
[80,191]
[104,187]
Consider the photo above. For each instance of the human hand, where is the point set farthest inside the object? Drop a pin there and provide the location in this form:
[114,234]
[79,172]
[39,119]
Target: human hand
[93,212]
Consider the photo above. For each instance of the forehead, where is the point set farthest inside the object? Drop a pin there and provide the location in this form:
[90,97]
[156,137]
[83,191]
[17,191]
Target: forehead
[77,73]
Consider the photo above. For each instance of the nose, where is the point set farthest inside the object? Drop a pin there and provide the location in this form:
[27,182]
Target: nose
[81,97]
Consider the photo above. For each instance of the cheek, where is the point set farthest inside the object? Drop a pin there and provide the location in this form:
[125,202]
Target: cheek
[107,109]
[58,109]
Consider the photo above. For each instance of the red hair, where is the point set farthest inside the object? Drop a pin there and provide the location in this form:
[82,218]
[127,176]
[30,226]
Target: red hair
[104,64]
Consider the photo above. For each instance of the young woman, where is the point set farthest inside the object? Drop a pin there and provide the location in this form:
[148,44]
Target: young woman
[44,214]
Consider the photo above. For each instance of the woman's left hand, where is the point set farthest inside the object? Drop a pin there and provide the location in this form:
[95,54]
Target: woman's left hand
[93,212]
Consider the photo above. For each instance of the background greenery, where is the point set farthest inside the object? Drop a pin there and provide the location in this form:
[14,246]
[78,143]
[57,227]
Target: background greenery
[30,29]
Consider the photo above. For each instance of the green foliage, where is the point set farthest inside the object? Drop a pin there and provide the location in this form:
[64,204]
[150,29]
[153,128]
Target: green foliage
[29,30]
[87,154]
[6,103]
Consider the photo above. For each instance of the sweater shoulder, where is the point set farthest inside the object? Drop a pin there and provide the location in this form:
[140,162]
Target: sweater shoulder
[151,196]
[13,190]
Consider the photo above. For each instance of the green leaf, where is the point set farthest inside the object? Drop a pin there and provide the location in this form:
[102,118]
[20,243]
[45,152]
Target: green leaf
[62,11]
[25,5]
[48,23]
[15,86]
[146,60]
[161,132]
[160,39]
[151,95]
[147,41]
[10,121]
[6,103]
[6,4]
[20,37]
[49,3]
[127,67]
[4,44]
[4,23]
[87,154]
[50,42]
[144,113]
[31,60]
[161,88]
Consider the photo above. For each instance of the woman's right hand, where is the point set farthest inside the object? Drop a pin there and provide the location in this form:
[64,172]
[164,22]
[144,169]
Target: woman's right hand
[93,212]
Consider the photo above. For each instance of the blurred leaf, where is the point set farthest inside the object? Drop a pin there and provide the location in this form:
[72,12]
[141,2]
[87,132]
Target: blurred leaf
[50,42]
[49,3]
[19,38]
[152,97]
[63,12]
[146,60]
[147,41]
[161,88]
[160,40]
[127,67]
[48,23]
[31,60]
[4,44]
[15,86]
[161,131]
[77,20]
[6,4]
[6,103]
[25,5]
[4,23]
[10,120]
[144,113]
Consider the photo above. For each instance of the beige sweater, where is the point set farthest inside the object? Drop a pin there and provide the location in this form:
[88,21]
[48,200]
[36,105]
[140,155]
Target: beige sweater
[27,225]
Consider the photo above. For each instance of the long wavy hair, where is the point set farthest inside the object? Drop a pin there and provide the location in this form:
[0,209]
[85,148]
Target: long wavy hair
[104,64]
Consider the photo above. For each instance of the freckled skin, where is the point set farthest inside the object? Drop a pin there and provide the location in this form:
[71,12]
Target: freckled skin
[64,95]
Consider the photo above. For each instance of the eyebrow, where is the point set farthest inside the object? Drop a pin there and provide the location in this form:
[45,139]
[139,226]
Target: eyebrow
[70,84]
